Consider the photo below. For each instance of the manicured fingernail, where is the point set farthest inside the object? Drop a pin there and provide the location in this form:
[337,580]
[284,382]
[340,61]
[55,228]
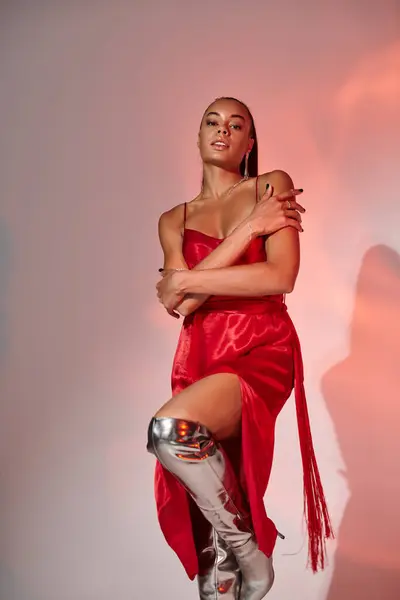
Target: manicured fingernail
[267,186]
[301,190]
[160,270]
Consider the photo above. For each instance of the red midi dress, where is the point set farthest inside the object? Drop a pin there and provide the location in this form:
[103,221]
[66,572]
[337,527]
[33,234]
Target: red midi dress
[255,339]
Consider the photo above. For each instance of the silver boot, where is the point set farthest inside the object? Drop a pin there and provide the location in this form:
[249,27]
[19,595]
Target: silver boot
[189,451]
[219,576]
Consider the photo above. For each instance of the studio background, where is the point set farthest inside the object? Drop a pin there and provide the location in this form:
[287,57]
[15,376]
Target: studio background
[100,105]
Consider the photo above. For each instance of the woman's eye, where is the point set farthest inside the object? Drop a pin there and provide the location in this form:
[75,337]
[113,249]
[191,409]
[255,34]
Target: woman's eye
[211,123]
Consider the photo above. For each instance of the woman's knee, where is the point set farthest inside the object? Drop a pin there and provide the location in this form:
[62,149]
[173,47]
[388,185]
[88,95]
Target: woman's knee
[166,421]
[214,402]
[161,430]
[175,408]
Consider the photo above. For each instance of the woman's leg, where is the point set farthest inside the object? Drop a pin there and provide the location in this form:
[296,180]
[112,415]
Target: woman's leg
[213,401]
[219,576]
[183,436]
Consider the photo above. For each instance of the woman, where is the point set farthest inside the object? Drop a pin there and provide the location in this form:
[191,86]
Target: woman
[230,256]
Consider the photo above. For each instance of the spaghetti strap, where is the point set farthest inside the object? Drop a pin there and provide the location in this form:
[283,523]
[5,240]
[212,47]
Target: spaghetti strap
[184,216]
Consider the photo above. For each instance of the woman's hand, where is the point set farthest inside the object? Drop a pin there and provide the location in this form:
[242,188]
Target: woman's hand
[272,213]
[168,291]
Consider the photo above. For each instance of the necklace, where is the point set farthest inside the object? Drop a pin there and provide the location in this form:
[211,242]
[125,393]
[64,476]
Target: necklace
[230,190]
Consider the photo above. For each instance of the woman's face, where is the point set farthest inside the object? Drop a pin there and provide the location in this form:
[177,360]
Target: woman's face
[224,136]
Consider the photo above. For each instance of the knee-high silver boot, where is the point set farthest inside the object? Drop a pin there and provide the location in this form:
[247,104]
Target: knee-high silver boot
[189,451]
[219,575]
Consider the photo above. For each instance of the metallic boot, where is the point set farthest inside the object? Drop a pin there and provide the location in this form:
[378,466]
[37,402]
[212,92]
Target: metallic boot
[219,576]
[189,451]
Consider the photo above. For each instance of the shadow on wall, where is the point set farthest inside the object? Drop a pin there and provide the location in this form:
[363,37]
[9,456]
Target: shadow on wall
[362,396]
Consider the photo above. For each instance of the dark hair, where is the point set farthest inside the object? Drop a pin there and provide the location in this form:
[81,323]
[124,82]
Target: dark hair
[253,156]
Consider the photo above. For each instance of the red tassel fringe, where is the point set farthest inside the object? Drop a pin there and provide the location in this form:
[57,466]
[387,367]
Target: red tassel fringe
[315,508]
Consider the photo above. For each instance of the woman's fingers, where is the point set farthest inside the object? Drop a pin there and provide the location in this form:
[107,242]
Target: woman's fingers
[293,205]
[293,222]
[289,194]
[290,199]
[268,192]
[298,207]
[293,214]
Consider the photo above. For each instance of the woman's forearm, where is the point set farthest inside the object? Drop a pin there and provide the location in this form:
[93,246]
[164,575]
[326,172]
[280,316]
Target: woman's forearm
[258,279]
[224,255]
[230,249]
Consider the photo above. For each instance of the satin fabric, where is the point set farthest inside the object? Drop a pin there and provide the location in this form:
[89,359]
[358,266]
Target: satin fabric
[255,339]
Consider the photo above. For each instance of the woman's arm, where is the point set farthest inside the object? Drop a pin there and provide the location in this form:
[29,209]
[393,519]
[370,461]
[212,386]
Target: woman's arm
[276,276]
[223,256]
[270,215]
[170,235]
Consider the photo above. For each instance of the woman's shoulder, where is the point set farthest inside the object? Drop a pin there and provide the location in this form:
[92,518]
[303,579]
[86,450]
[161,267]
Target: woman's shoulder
[174,217]
[276,178]
[170,224]
[279,180]
[171,215]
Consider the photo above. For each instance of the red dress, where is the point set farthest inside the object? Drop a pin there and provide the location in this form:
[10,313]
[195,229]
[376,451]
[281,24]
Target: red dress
[255,339]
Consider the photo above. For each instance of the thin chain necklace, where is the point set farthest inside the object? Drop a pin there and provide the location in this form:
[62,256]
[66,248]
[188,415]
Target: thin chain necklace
[235,185]
[230,190]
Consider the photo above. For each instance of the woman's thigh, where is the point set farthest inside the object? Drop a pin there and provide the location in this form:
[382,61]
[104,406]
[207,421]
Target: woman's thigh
[214,401]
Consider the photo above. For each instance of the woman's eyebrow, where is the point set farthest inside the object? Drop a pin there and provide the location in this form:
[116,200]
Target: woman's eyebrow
[231,117]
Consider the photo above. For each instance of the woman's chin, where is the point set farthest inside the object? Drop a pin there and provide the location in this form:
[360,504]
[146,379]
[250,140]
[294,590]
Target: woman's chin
[219,160]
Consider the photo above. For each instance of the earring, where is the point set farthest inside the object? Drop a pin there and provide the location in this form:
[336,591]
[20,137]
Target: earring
[246,166]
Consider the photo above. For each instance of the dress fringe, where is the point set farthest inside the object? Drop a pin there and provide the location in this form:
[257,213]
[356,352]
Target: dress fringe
[315,508]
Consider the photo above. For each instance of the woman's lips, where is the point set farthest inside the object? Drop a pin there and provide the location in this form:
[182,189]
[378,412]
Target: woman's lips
[219,146]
